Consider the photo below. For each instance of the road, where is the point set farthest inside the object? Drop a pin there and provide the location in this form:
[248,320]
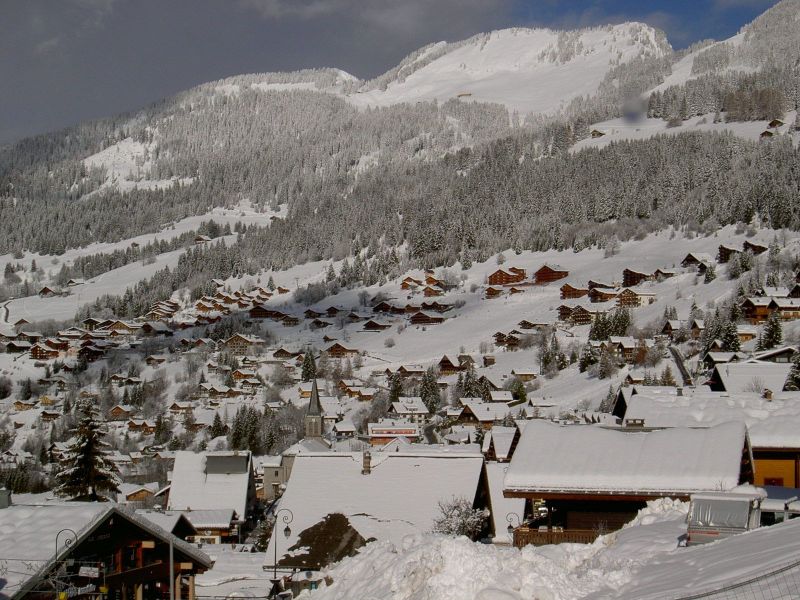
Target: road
[5,310]
[679,360]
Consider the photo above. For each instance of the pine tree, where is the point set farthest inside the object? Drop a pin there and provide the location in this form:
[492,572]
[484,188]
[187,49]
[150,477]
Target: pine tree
[793,380]
[162,431]
[518,391]
[395,387]
[271,284]
[429,391]
[217,427]
[772,335]
[470,388]
[667,378]
[608,402]
[589,357]
[730,338]
[309,369]
[88,471]
[710,275]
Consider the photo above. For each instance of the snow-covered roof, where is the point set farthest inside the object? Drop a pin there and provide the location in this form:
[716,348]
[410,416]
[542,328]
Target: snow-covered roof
[752,375]
[771,423]
[211,480]
[501,396]
[409,405]
[487,411]
[583,458]
[502,438]
[167,520]
[398,497]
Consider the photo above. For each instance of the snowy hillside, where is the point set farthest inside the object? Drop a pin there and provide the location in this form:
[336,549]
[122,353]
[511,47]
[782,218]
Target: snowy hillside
[527,70]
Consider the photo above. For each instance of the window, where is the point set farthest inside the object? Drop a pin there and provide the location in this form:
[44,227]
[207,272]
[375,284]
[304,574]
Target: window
[777,481]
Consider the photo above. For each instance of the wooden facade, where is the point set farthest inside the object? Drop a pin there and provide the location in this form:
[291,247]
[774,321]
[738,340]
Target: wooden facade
[569,292]
[631,278]
[550,273]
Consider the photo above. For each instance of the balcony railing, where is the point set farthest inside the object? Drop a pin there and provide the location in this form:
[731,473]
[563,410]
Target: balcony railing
[525,536]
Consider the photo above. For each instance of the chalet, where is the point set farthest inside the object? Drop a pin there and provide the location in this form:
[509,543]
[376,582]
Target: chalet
[596,133]
[312,314]
[408,309]
[782,354]
[23,405]
[503,277]
[775,123]
[284,354]
[662,274]
[696,328]
[240,344]
[570,292]
[524,375]
[259,311]
[448,365]
[748,376]
[630,297]
[283,290]
[585,495]
[421,318]
[766,134]
[109,550]
[501,396]
[365,394]
[725,253]
[410,408]
[201,239]
[671,327]
[754,247]
[593,284]
[354,317]
[757,309]
[290,321]
[48,292]
[90,324]
[121,412]
[489,360]
[43,352]
[380,495]
[745,333]
[383,307]
[632,278]
[431,291]
[549,273]
[500,443]
[482,415]
[597,295]
[406,371]
[788,308]
[372,325]
[17,346]
[410,283]
[695,259]
[240,374]
[386,430]
[319,324]
[152,328]
[525,324]
[337,350]
[141,426]
[493,292]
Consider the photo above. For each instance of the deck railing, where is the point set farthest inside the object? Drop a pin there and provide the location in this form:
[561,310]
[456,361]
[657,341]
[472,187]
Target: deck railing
[525,536]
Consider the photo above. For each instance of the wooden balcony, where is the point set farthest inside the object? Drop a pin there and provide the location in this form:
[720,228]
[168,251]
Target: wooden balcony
[525,536]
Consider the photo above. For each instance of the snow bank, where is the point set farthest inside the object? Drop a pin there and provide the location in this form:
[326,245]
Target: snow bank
[428,567]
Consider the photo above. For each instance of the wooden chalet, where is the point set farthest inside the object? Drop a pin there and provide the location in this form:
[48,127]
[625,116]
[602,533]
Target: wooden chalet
[725,253]
[43,352]
[106,552]
[493,292]
[671,327]
[448,365]
[756,309]
[421,318]
[337,350]
[570,292]
[662,274]
[754,247]
[587,493]
[121,412]
[507,277]
[48,292]
[695,259]
[775,123]
[431,291]
[240,344]
[593,284]
[282,290]
[410,283]
[372,325]
[549,273]
[596,133]
[631,277]
[634,298]
[319,324]
[597,295]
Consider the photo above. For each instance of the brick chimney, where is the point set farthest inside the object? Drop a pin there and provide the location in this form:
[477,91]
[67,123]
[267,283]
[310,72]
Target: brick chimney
[767,395]
[366,468]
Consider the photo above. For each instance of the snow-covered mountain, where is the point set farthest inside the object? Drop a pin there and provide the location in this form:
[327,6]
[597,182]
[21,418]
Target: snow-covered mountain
[527,70]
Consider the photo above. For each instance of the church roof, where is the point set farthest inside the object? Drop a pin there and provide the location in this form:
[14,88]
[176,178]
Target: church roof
[314,407]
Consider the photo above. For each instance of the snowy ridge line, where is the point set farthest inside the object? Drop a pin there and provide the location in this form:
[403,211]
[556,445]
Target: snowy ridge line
[795,564]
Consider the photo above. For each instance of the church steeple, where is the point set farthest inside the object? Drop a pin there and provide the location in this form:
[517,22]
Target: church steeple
[313,418]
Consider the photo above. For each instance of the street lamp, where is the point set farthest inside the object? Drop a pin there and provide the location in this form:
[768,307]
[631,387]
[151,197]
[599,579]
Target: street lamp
[510,518]
[287,517]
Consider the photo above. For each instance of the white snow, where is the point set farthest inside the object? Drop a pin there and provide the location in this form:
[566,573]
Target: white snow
[520,68]
[556,458]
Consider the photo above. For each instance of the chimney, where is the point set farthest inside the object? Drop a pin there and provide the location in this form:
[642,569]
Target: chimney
[680,391]
[5,498]
[366,468]
[767,395]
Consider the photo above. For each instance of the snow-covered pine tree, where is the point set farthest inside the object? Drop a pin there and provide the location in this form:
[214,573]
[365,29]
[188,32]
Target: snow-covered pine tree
[309,369]
[395,387]
[730,337]
[429,390]
[772,336]
[793,380]
[88,471]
